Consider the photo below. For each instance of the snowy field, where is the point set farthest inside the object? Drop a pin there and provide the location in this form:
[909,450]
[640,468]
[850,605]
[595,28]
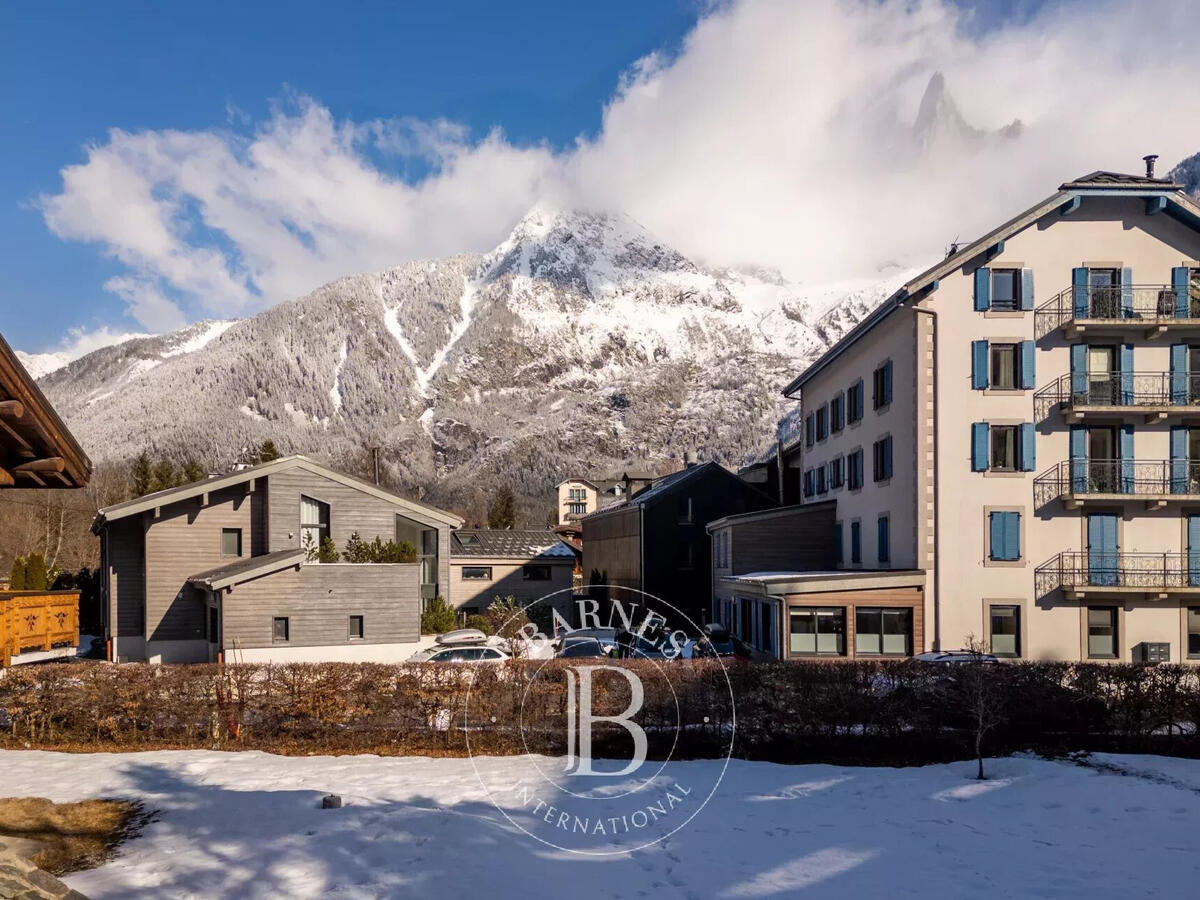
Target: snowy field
[247,825]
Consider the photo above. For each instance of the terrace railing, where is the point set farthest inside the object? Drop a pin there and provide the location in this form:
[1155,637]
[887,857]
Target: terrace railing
[1142,478]
[1135,571]
[1146,304]
[37,621]
[1118,389]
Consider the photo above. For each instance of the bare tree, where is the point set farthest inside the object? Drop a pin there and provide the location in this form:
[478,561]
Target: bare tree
[975,691]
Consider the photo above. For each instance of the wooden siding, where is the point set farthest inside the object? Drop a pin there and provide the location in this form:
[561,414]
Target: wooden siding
[125,564]
[508,581]
[350,510]
[612,549]
[183,540]
[798,541]
[909,597]
[318,601]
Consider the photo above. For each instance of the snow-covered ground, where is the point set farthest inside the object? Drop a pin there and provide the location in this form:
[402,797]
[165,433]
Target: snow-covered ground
[248,825]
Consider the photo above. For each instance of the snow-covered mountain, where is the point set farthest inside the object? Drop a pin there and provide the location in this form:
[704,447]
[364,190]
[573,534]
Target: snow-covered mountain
[579,343]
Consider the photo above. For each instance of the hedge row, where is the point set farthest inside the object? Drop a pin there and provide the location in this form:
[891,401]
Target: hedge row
[866,712]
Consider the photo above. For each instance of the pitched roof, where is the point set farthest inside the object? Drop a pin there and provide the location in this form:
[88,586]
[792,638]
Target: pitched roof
[667,484]
[485,542]
[247,568]
[208,485]
[1101,179]
[36,448]
[1177,204]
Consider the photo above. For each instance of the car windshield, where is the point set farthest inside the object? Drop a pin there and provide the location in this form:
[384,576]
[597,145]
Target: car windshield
[584,648]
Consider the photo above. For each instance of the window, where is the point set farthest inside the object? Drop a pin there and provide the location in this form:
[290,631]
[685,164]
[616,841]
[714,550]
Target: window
[214,625]
[1005,375]
[882,385]
[535,573]
[1004,623]
[854,469]
[767,632]
[1004,448]
[837,543]
[837,413]
[356,628]
[817,631]
[883,532]
[745,620]
[1193,633]
[854,402]
[425,540]
[855,543]
[821,480]
[810,482]
[685,510]
[823,423]
[231,542]
[476,573]
[883,632]
[314,523]
[810,429]
[684,555]
[576,509]
[1004,536]
[280,633]
[1006,289]
[837,472]
[1102,632]
[883,459]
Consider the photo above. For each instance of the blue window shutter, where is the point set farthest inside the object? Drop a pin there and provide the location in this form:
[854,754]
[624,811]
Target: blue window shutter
[979,365]
[1127,293]
[1078,459]
[887,457]
[859,466]
[1127,458]
[1179,374]
[1079,291]
[1028,362]
[1012,535]
[837,542]
[1079,382]
[996,535]
[881,536]
[1027,289]
[1179,283]
[1028,459]
[1179,459]
[1193,531]
[1127,374]
[887,382]
[983,290]
[979,446]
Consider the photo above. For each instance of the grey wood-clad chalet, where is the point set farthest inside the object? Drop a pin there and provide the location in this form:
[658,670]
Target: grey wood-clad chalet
[226,565]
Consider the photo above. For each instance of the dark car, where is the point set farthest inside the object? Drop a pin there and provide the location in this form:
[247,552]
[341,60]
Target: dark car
[715,641]
[583,648]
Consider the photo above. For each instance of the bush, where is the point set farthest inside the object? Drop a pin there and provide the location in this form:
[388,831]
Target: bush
[16,577]
[438,617]
[378,551]
[36,577]
[328,552]
[480,621]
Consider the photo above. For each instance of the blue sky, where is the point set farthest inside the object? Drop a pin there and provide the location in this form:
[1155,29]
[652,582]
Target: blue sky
[263,148]
[541,69]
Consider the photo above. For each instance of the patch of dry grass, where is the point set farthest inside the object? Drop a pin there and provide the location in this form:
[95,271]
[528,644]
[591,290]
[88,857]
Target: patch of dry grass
[73,836]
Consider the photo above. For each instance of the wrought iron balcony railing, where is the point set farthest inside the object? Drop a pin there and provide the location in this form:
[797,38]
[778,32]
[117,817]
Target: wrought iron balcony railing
[1148,572]
[1131,390]
[1146,304]
[1142,478]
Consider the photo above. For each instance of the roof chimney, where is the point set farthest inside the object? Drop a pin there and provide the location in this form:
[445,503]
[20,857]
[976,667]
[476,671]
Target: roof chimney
[690,459]
[1150,164]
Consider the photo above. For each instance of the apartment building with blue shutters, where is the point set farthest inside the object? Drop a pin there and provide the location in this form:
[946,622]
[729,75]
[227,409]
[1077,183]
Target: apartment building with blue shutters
[1021,424]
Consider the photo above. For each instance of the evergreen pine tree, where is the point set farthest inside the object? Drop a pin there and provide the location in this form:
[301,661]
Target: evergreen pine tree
[164,475]
[502,510]
[35,573]
[142,475]
[16,577]
[267,451]
[192,471]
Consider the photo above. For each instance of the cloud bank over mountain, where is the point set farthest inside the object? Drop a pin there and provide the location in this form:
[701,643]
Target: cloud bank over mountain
[780,134]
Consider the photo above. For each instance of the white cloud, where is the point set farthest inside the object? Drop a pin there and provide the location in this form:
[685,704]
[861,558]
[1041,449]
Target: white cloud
[779,134]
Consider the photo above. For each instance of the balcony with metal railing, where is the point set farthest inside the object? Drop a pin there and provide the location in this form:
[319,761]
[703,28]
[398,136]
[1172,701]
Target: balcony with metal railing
[1154,482]
[1155,395]
[1153,308]
[1084,574]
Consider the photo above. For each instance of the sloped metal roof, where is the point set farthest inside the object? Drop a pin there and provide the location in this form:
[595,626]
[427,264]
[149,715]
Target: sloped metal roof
[248,567]
[491,542]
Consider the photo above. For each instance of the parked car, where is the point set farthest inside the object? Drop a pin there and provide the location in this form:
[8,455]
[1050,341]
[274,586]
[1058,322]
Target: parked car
[584,648]
[606,637]
[462,655]
[715,641]
[952,657]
